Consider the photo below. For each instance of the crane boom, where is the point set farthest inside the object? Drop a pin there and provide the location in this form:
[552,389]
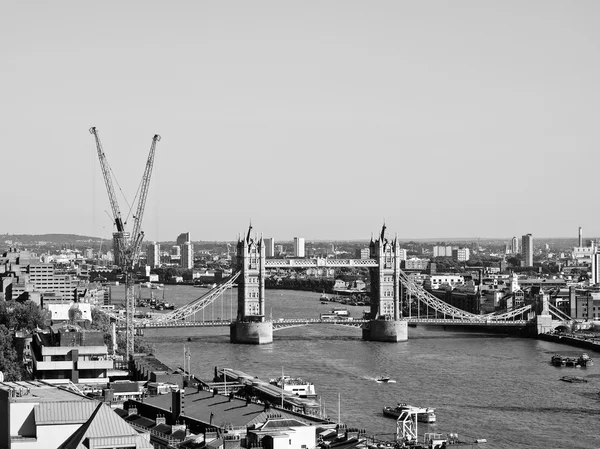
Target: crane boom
[127,249]
[137,235]
[108,181]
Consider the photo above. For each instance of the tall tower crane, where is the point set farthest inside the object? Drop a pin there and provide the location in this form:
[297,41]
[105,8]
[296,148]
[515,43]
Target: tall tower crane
[127,246]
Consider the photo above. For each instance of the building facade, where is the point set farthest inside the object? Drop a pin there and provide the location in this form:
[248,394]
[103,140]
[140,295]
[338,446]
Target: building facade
[461,254]
[299,247]
[442,251]
[514,245]
[527,248]
[182,238]
[187,255]
[153,255]
[269,247]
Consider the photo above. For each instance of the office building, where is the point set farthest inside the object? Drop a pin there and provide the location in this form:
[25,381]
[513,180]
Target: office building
[514,245]
[66,354]
[183,237]
[461,254]
[527,249]
[299,247]
[269,247]
[363,253]
[595,278]
[187,255]
[153,255]
[442,251]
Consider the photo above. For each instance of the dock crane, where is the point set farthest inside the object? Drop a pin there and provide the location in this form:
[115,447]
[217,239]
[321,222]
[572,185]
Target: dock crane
[127,246]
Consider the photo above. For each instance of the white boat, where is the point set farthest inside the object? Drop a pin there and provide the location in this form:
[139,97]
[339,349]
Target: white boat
[424,414]
[295,385]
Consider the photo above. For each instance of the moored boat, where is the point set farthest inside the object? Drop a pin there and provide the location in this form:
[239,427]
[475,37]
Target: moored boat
[574,379]
[295,385]
[585,360]
[424,414]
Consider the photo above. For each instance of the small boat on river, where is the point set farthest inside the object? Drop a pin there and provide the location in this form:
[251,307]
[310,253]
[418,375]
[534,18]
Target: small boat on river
[574,379]
[385,379]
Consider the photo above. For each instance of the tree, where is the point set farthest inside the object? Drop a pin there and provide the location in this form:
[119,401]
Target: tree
[25,316]
[9,364]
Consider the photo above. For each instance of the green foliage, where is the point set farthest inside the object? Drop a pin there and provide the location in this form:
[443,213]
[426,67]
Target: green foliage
[166,274]
[101,322]
[25,316]
[140,345]
[307,284]
[9,364]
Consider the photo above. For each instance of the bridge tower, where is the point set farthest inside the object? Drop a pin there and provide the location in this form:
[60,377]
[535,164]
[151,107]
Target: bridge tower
[385,322]
[251,326]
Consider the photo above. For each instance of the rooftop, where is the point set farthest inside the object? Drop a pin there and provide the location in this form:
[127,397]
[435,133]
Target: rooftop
[36,391]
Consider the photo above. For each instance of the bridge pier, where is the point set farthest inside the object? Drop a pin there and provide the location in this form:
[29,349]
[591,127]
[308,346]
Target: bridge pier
[251,333]
[386,330]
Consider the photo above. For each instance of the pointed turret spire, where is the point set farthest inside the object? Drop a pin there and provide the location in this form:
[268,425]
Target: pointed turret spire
[249,230]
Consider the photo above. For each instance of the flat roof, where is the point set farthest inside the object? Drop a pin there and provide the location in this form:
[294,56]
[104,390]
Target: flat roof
[36,391]
[200,405]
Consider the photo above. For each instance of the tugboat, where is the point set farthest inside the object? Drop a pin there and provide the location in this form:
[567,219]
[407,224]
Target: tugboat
[558,360]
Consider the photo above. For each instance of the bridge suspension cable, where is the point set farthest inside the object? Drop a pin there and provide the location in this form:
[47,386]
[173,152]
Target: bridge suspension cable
[194,306]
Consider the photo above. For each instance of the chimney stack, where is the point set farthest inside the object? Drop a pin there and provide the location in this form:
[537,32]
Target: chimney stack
[580,237]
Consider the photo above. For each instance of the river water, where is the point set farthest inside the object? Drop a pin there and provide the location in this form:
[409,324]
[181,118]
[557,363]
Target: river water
[500,388]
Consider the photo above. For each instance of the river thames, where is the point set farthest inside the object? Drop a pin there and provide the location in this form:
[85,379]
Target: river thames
[496,387]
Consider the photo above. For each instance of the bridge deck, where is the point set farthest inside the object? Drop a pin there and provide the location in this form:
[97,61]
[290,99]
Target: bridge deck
[283,323]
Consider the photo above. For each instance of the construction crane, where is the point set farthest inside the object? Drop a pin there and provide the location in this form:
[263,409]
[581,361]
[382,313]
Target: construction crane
[127,246]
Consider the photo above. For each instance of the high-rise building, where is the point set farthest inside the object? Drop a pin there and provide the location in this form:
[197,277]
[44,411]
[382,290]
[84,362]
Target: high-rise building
[269,247]
[363,253]
[527,248]
[461,254]
[176,250]
[514,245]
[442,251]
[595,280]
[153,255]
[187,256]
[298,246]
[183,237]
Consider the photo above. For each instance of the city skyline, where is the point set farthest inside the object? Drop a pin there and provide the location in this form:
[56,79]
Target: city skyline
[310,119]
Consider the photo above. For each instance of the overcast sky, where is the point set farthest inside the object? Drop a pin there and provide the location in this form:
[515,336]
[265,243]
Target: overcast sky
[316,118]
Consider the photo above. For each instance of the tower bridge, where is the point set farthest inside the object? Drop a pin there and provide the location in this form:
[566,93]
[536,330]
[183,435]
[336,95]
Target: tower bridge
[390,286]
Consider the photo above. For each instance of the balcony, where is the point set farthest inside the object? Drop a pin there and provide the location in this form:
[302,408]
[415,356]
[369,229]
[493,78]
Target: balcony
[95,364]
[51,366]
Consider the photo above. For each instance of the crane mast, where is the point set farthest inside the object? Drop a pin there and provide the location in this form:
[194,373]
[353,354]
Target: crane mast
[127,249]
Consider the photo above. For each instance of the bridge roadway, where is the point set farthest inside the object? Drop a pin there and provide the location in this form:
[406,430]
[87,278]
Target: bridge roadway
[294,322]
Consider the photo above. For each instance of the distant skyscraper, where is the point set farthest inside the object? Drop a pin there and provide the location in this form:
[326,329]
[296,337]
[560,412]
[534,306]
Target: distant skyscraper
[442,251]
[514,245]
[153,255]
[527,248]
[184,237]
[298,247]
[187,256]
[269,247]
[595,269]
[461,254]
